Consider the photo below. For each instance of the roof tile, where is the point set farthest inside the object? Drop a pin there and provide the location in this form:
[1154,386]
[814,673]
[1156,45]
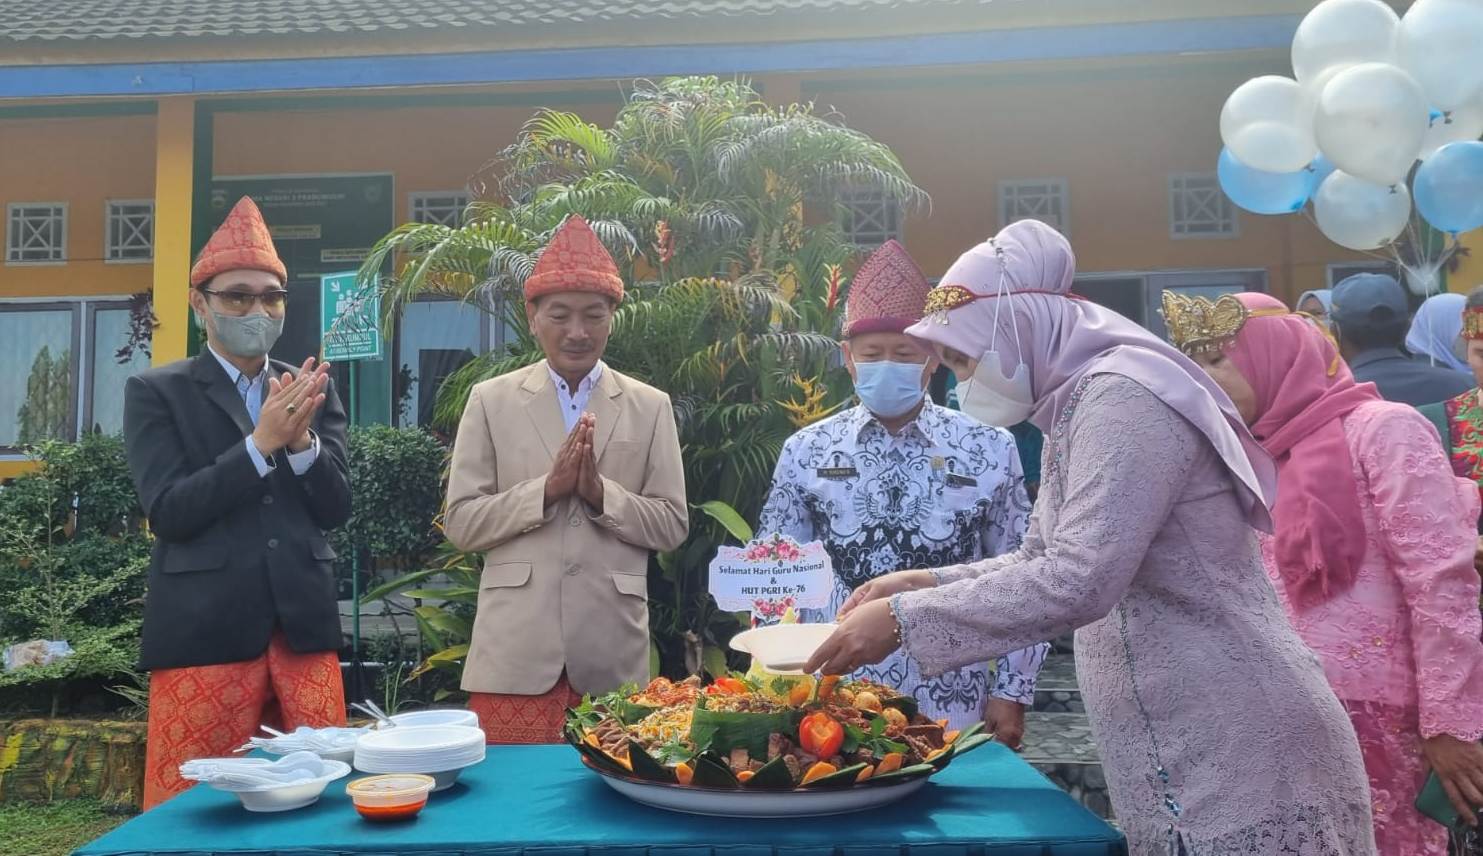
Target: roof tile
[25,20]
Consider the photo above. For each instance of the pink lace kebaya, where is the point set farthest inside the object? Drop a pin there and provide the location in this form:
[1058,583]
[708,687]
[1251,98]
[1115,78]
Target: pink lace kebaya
[1393,614]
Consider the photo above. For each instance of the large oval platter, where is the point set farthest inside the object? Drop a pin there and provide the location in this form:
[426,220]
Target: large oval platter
[831,747]
[759,804]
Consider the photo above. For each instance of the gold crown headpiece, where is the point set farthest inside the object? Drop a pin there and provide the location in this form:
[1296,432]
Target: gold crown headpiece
[1199,325]
[1472,322]
[946,298]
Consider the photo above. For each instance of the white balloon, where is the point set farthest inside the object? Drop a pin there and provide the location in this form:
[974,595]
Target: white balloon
[1371,120]
[1440,42]
[1453,126]
[1313,90]
[1358,214]
[1343,32]
[1266,126]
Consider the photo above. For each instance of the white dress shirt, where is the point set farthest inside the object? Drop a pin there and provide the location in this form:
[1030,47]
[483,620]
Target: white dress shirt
[574,404]
[252,391]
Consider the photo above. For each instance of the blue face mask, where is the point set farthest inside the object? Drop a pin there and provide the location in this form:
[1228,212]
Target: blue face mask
[887,388]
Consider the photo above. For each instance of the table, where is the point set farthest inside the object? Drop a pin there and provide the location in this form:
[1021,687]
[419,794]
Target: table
[539,801]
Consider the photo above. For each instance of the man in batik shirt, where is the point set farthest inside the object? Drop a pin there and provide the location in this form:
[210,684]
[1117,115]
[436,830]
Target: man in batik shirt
[899,482]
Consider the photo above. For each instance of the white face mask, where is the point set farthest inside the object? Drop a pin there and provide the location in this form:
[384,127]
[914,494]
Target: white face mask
[990,396]
[994,399]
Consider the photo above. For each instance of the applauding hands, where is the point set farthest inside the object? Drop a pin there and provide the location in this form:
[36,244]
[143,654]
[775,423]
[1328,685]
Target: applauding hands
[289,409]
[575,470]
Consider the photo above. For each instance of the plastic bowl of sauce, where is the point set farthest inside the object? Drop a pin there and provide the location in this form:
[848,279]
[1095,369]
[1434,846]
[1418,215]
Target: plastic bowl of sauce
[396,796]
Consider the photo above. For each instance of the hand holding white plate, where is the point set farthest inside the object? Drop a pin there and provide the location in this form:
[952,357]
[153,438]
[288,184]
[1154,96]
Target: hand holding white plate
[783,648]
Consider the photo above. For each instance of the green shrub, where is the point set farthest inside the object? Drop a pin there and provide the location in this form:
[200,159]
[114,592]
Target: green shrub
[396,490]
[94,473]
[73,563]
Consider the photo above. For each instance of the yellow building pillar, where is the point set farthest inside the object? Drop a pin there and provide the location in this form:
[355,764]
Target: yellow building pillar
[173,190]
[1469,274]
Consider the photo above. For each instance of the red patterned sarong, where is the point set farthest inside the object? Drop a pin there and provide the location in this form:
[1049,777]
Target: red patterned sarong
[524,718]
[207,711]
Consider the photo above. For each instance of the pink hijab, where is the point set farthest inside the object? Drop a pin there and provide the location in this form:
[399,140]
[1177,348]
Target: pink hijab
[1303,390]
[1067,339]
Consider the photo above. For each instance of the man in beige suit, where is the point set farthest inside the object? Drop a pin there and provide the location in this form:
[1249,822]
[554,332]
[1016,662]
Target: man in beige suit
[565,475]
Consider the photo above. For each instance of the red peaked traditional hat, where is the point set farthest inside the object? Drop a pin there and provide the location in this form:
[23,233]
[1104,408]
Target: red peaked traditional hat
[575,260]
[242,243]
[888,293]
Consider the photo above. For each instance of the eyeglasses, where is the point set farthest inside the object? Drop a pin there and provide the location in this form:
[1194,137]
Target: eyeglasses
[240,302]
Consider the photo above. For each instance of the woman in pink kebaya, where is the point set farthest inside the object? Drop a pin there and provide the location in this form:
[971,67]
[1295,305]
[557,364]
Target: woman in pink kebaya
[1372,553]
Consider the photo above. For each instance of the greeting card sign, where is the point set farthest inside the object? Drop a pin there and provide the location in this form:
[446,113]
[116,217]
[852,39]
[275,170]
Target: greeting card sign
[768,576]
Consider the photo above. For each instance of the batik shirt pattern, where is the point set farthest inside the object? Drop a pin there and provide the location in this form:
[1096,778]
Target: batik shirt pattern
[946,490]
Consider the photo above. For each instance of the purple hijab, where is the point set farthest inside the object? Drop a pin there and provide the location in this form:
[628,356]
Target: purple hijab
[1066,340]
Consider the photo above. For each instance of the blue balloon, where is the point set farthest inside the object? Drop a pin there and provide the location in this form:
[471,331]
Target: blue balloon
[1263,192]
[1449,187]
[1320,169]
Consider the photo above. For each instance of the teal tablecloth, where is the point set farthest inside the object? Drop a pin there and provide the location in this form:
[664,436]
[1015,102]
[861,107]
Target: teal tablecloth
[539,801]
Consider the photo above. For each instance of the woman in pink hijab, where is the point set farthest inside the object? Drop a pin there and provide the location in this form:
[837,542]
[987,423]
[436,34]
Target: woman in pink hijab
[1217,730]
[1373,552]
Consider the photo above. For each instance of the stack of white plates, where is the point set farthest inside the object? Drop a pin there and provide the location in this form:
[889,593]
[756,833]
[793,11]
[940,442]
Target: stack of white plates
[436,716]
[440,751]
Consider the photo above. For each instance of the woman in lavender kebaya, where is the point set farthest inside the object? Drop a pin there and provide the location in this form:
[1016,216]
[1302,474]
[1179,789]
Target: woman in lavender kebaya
[1217,729]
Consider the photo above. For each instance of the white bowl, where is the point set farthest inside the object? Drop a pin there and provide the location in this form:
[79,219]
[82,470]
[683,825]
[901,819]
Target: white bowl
[289,797]
[783,648]
[444,779]
[445,716]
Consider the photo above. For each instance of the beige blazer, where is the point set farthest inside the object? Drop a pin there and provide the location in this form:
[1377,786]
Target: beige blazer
[563,587]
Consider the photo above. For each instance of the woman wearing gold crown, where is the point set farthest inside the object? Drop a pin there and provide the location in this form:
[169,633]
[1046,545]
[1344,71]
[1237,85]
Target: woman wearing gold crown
[1460,420]
[1217,730]
[1372,554]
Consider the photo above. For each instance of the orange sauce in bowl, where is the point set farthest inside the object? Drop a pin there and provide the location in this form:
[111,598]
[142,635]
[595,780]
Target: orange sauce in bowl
[390,813]
[389,798]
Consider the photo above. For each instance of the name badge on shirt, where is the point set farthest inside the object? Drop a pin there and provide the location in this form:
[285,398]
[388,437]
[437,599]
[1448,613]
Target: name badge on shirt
[955,480]
[837,473]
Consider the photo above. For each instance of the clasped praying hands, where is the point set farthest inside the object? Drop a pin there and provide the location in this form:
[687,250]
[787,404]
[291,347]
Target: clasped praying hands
[575,469]
[289,409]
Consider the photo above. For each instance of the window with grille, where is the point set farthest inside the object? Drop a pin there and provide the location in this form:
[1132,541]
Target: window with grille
[130,233]
[36,232]
[1198,208]
[869,217]
[442,207]
[1043,199]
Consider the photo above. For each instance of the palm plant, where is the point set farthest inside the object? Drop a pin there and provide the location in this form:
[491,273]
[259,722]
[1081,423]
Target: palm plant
[719,211]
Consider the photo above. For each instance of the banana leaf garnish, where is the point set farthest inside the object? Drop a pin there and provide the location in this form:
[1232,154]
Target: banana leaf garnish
[646,767]
[724,731]
[711,773]
[598,758]
[774,776]
[963,747]
[628,713]
[970,731]
[844,778]
[912,772]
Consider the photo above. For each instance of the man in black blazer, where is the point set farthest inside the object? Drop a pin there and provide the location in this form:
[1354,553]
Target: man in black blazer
[240,464]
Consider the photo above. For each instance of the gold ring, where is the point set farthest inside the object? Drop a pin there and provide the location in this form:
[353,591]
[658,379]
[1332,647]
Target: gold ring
[291,408]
